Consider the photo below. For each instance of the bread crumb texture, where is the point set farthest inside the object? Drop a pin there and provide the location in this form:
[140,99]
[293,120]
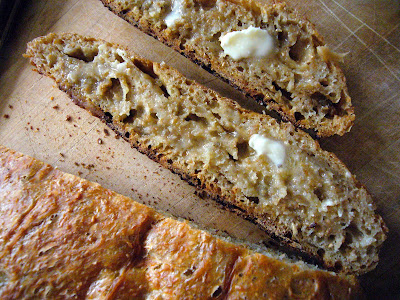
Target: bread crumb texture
[64,237]
[299,78]
[307,198]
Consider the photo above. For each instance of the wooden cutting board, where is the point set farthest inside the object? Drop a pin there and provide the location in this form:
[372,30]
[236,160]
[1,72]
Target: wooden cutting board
[39,120]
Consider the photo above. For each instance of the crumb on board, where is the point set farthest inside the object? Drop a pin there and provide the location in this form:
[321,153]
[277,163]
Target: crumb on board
[68,118]
[51,98]
[6,116]
[106,132]
[100,141]
[10,106]
[56,107]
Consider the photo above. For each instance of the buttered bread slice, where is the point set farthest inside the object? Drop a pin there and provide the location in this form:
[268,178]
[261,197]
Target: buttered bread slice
[264,48]
[268,172]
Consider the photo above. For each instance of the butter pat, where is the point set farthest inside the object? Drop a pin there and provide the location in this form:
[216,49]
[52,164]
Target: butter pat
[274,150]
[175,14]
[251,42]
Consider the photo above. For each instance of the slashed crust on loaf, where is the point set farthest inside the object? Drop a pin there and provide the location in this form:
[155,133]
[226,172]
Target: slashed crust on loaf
[311,202]
[64,237]
[302,80]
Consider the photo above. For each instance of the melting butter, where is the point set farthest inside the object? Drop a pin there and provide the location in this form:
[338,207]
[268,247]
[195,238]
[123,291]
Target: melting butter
[251,42]
[274,150]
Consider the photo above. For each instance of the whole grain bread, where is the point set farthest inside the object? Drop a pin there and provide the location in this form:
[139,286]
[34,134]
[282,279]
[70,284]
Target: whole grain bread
[63,237]
[297,192]
[301,79]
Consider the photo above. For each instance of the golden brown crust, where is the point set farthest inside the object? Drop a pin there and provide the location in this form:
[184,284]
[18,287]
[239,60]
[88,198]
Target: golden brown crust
[63,236]
[327,96]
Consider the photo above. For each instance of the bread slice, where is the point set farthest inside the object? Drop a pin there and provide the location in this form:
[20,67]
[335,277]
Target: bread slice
[65,237]
[284,62]
[270,173]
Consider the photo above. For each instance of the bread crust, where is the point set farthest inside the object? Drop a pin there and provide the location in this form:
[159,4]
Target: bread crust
[339,113]
[63,236]
[230,195]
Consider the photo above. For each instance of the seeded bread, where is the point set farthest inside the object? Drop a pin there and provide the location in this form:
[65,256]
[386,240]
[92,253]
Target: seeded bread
[294,190]
[300,78]
[65,237]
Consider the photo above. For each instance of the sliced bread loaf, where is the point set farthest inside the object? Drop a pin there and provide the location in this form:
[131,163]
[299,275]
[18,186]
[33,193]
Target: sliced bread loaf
[62,237]
[268,172]
[262,47]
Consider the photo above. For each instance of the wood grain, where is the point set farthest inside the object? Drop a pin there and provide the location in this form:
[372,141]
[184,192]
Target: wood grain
[39,120]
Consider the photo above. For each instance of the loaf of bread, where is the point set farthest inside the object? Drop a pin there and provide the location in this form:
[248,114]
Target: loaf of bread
[266,171]
[264,48]
[63,237]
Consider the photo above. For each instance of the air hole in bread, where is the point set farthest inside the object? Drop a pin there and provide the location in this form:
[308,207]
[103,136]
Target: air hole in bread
[217,292]
[196,118]
[321,99]
[282,37]
[146,67]
[288,235]
[79,54]
[205,4]
[231,157]
[125,11]
[131,117]
[319,193]
[326,106]
[338,266]
[324,82]
[298,116]
[164,90]
[127,135]
[114,89]
[243,150]
[228,129]
[215,37]
[108,117]
[286,94]
[321,252]
[188,272]
[255,200]
[239,68]
[298,52]
[353,230]
[217,116]
[154,116]
[119,58]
